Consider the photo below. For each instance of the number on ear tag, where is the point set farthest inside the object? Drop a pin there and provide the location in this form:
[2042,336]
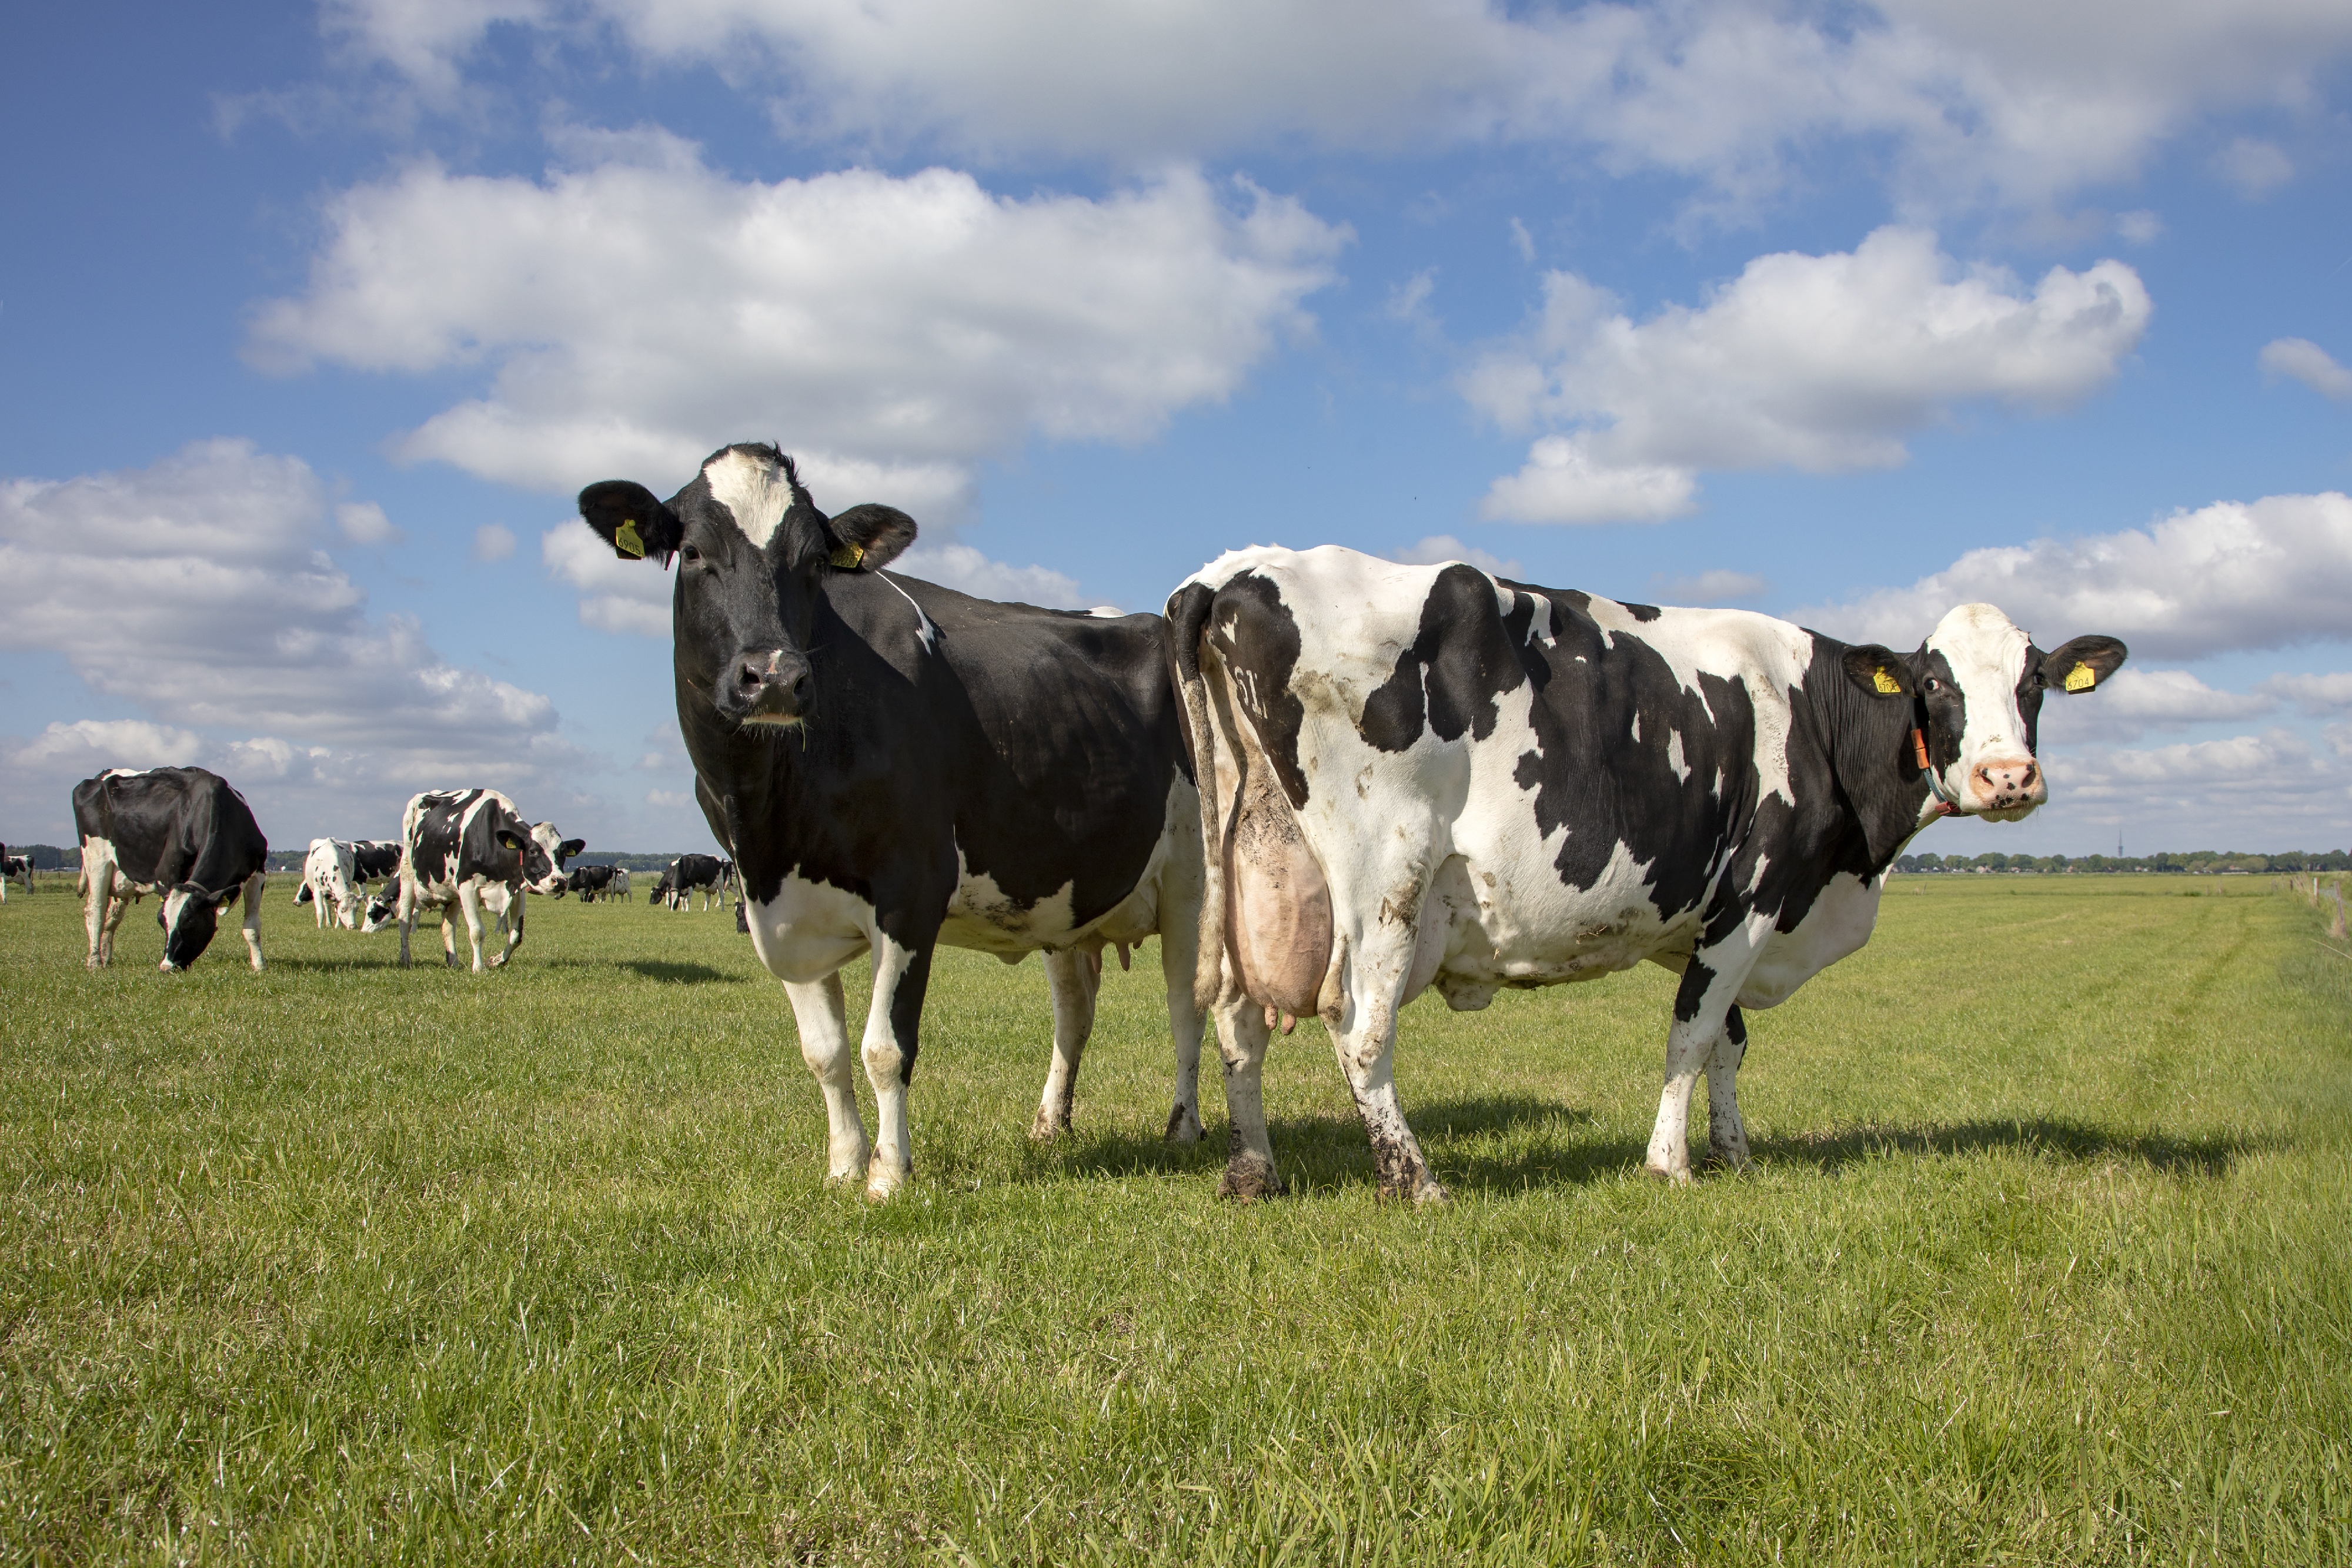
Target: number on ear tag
[1884,682]
[626,542]
[847,557]
[2080,678]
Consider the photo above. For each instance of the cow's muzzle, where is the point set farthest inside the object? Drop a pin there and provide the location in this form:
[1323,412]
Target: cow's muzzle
[766,687]
[2008,787]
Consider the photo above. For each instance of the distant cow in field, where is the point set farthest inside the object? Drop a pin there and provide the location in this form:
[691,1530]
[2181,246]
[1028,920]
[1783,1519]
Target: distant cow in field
[895,765]
[620,887]
[334,877]
[17,869]
[590,883]
[1417,775]
[180,832]
[471,848]
[690,875]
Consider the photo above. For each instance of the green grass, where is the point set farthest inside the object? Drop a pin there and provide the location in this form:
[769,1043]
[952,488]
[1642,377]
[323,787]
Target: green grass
[2045,1261]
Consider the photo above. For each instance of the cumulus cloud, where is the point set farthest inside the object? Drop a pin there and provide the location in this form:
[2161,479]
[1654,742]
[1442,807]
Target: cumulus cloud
[2270,573]
[364,523]
[2276,788]
[493,541]
[2300,359]
[2137,700]
[1993,100]
[1716,587]
[632,316]
[1824,363]
[196,589]
[2256,168]
[2314,695]
[964,569]
[1439,547]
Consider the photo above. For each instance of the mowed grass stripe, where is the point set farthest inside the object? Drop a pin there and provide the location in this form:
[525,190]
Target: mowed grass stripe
[2043,1260]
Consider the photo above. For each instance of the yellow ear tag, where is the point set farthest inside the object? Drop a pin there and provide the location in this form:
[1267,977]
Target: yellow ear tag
[847,557]
[625,540]
[1885,683]
[2080,678]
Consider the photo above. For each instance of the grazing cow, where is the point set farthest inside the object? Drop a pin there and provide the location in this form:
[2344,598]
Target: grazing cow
[895,765]
[334,877]
[472,848]
[590,881]
[182,832]
[1418,775]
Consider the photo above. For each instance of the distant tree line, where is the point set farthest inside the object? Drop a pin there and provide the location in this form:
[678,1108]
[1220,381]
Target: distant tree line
[2204,863]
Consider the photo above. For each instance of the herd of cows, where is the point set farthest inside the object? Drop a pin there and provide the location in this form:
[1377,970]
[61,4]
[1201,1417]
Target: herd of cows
[1326,781]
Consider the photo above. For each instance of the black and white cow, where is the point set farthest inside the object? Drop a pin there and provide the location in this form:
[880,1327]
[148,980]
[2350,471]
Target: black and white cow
[895,765]
[1424,775]
[17,869]
[182,832]
[620,884]
[472,849]
[334,877]
[690,875]
[589,881]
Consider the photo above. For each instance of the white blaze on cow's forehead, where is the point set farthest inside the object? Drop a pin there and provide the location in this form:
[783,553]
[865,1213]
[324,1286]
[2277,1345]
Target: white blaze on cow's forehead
[1982,644]
[753,490]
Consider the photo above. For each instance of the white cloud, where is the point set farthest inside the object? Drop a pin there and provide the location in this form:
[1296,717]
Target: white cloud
[633,317]
[2314,695]
[2016,101]
[2307,362]
[2270,573]
[1716,587]
[2271,789]
[630,597]
[1822,363]
[965,570]
[2256,168]
[364,523]
[2135,700]
[1523,242]
[1441,548]
[196,590]
[493,542]
[2142,227]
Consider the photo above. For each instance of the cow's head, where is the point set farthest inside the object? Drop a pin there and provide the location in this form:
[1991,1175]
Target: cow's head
[189,917]
[542,859]
[1974,688]
[383,914]
[751,548]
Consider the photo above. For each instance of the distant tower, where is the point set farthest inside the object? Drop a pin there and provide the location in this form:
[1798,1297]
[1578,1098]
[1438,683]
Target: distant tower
[2119,843]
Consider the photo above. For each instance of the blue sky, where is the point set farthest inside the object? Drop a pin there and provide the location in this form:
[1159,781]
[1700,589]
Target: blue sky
[317,316]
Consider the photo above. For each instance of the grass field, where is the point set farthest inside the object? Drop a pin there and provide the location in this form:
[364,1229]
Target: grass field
[2047,1257]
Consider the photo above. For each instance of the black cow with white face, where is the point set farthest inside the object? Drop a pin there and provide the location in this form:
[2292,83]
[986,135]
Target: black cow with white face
[182,832]
[1424,775]
[472,849]
[894,765]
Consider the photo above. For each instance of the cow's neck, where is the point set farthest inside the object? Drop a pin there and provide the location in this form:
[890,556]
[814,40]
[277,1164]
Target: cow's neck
[1869,743]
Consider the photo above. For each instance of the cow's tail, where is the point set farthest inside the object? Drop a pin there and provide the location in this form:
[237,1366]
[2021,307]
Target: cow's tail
[1188,620]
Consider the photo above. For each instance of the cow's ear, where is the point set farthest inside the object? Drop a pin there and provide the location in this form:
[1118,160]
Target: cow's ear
[1882,672]
[869,537]
[511,841]
[2082,664]
[570,847]
[625,515]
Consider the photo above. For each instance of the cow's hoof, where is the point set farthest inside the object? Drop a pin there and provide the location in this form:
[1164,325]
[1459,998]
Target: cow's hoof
[1732,1162]
[883,1182]
[1183,1126]
[1247,1179]
[1048,1126]
[1678,1177]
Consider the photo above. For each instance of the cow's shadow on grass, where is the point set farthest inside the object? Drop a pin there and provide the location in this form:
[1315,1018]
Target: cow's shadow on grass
[1517,1143]
[670,971]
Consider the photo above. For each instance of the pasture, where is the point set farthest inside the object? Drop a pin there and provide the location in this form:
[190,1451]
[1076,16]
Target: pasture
[2047,1258]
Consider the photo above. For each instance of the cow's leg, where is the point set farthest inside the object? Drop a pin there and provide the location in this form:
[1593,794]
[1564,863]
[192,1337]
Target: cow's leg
[1242,1037]
[470,904]
[252,928]
[514,911]
[1727,1134]
[1364,1040]
[1179,951]
[317,909]
[892,1023]
[1711,983]
[1074,977]
[820,1013]
[99,894]
[408,914]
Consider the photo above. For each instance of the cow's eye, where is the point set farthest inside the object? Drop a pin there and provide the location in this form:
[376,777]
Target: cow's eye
[1931,685]
[690,553]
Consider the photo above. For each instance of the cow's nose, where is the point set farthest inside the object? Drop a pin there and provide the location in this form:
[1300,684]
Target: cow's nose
[773,683]
[2014,782]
